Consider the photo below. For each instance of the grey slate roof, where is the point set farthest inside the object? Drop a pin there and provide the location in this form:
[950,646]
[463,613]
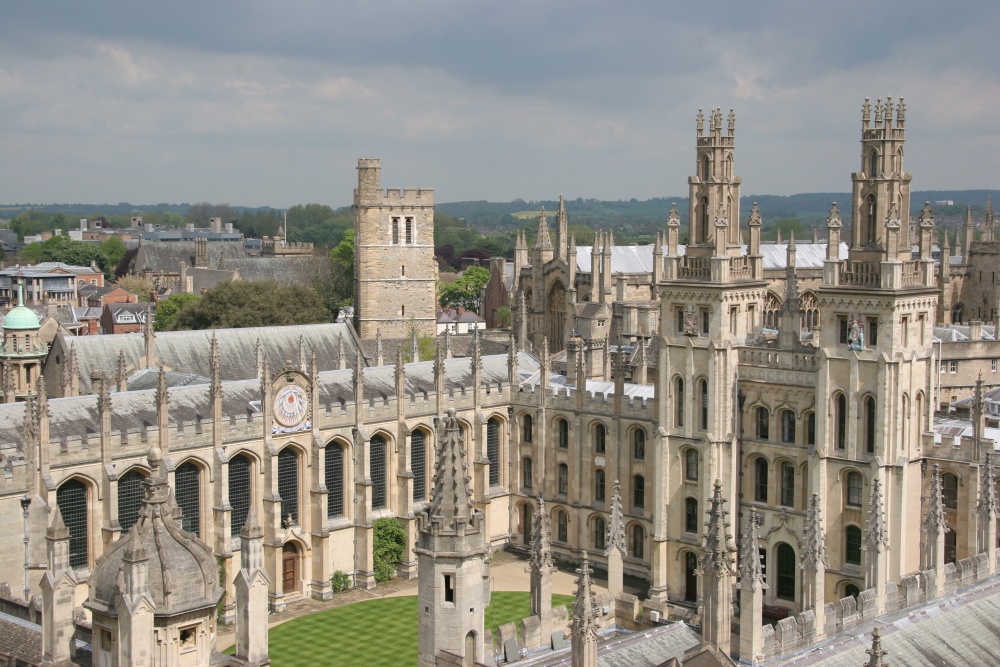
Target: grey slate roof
[644,649]
[189,351]
[960,332]
[639,258]
[166,255]
[298,270]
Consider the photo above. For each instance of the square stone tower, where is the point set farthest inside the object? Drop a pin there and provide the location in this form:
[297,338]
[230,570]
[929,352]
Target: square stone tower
[394,268]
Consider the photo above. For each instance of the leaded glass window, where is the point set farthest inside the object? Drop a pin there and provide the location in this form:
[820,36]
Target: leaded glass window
[187,483]
[376,470]
[334,480]
[493,450]
[129,498]
[418,465]
[72,501]
[239,492]
[288,484]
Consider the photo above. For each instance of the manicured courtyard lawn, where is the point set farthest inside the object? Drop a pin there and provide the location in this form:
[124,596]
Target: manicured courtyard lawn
[374,633]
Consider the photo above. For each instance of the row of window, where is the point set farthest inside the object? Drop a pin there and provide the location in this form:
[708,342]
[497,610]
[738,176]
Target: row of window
[599,441]
[636,533]
[409,230]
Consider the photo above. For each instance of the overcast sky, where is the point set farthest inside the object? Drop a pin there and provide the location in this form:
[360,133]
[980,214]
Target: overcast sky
[259,102]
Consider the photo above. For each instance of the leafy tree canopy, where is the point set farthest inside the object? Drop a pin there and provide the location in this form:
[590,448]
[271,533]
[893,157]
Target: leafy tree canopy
[239,304]
[465,291]
[166,310]
[388,544]
[106,254]
[135,285]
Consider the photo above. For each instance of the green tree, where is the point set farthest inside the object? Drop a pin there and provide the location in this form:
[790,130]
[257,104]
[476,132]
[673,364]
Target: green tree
[166,310]
[112,251]
[388,544]
[240,304]
[137,286]
[340,290]
[505,316]
[788,225]
[466,290]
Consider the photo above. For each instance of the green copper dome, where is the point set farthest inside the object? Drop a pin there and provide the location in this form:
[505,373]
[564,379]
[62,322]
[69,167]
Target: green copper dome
[20,316]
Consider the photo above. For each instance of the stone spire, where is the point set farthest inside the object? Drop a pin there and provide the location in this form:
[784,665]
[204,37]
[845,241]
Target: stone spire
[583,628]
[967,237]
[934,527]
[259,357]
[986,512]
[540,565]
[251,594]
[341,354]
[813,562]
[876,537]
[121,375]
[149,338]
[717,568]
[379,352]
[477,355]
[451,506]
[875,653]
[447,342]
[215,364]
[752,586]
[542,239]
[562,227]
[988,219]
[673,230]
[303,355]
[616,543]
[9,386]
[70,373]
[791,307]
[414,346]
[30,423]
[58,584]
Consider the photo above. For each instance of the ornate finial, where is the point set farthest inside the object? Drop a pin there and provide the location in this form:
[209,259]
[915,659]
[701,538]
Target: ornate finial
[121,377]
[901,112]
[259,353]
[717,542]
[541,535]
[721,218]
[542,239]
[215,364]
[732,122]
[42,399]
[751,573]
[700,122]
[986,505]
[477,359]
[414,346]
[755,219]
[866,111]
[673,217]
[616,526]
[341,353]
[878,112]
[359,368]
[379,352]
[935,521]
[103,395]
[265,378]
[926,215]
[582,625]
[451,505]
[9,386]
[162,397]
[303,357]
[876,653]
[30,424]
[834,220]
[814,539]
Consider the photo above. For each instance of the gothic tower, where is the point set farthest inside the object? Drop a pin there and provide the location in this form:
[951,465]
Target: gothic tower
[394,268]
[451,554]
[714,192]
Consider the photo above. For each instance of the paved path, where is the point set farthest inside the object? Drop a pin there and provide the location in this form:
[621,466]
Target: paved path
[507,569]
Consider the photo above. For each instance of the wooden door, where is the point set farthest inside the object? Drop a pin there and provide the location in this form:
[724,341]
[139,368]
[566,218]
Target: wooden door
[290,569]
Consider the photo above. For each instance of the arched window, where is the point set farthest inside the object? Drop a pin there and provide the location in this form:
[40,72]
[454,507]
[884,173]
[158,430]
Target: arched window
[639,444]
[638,542]
[787,485]
[704,404]
[841,421]
[763,423]
[638,491]
[870,424]
[418,464]
[334,480]
[240,493]
[187,484]
[563,479]
[852,545]
[679,400]
[690,515]
[71,498]
[691,465]
[811,428]
[949,491]
[493,449]
[563,427]
[871,217]
[600,434]
[690,577]
[855,485]
[599,485]
[599,533]
[288,485]
[562,526]
[873,164]
[527,426]
[526,473]
[706,168]
[376,470]
[950,546]
[703,221]
[129,498]
[786,572]
[760,480]
[788,426]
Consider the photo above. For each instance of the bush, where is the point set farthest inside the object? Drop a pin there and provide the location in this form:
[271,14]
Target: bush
[340,581]
[389,544]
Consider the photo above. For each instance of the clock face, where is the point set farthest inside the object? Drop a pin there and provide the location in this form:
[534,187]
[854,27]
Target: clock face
[290,406]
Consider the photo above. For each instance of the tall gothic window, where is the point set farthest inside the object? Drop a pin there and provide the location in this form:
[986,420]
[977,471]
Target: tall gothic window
[526,473]
[288,484]
[704,405]
[563,427]
[334,480]
[639,444]
[760,481]
[841,433]
[493,449]
[600,435]
[527,426]
[418,465]
[870,424]
[811,428]
[949,491]
[871,217]
[638,542]
[187,482]
[855,487]
[600,533]
[690,515]
[787,485]
[691,465]
[852,545]
[786,572]
[71,498]
[376,470]
[240,493]
[679,400]
[703,221]
[763,423]
[788,426]
[129,498]
[563,479]
[638,491]
[562,526]
[599,485]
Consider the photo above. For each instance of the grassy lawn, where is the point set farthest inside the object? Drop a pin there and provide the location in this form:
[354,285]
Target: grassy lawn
[374,633]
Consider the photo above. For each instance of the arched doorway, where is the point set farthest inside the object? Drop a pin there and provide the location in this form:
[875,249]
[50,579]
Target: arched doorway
[470,650]
[690,577]
[289,568]
[526,512]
